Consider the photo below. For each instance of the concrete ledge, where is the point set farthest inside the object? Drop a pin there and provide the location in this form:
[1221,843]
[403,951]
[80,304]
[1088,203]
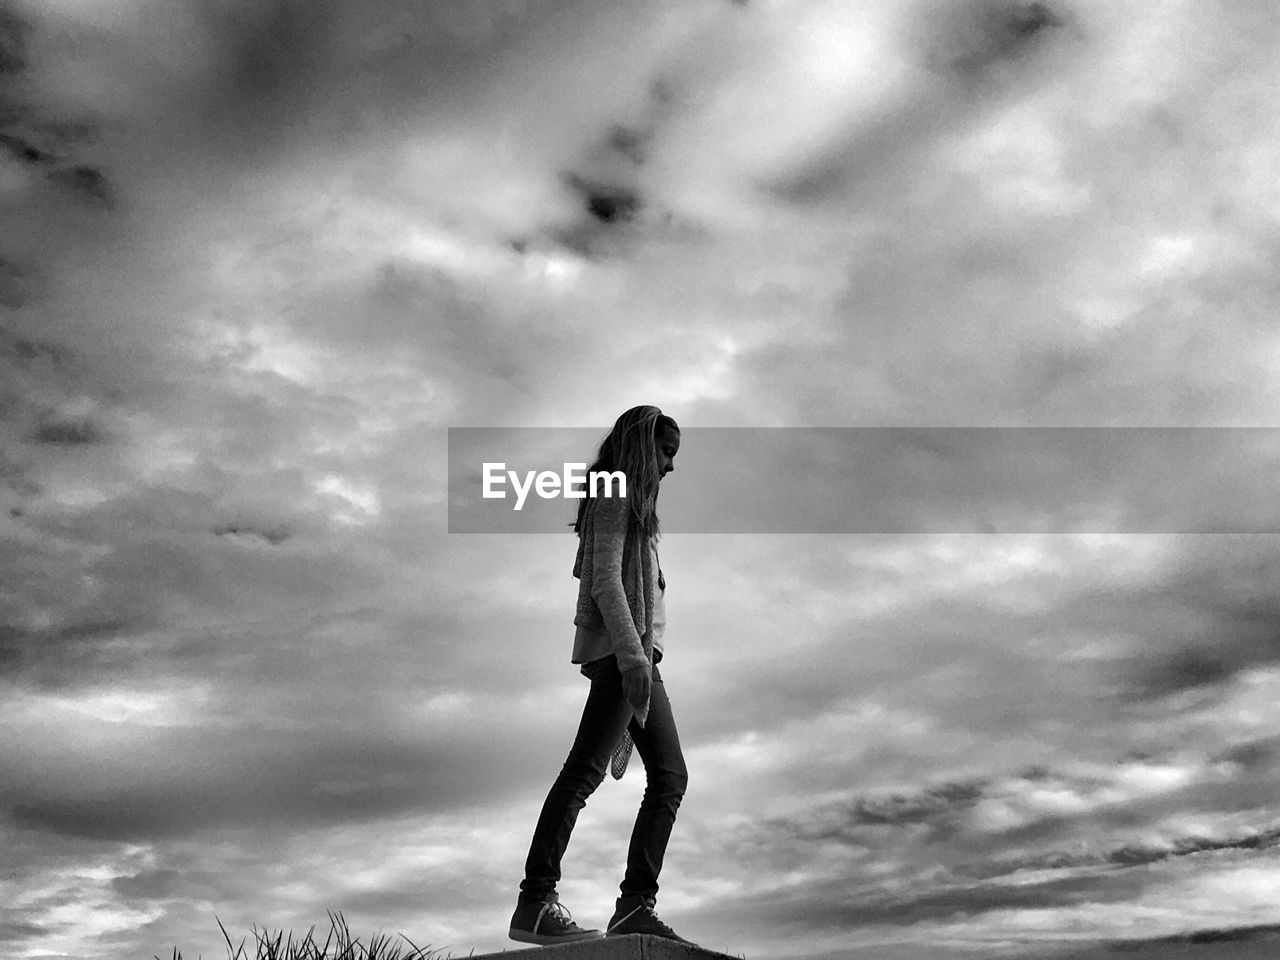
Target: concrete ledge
[636,946]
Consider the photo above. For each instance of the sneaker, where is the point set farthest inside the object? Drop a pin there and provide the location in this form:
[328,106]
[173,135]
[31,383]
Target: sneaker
[546,921]
[635,915]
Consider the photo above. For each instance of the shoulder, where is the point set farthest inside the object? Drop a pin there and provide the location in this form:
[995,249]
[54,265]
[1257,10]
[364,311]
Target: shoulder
[613,519]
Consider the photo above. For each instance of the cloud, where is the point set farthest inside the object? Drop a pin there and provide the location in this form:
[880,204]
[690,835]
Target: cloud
[1234,942]
[1224,624]
[1259,932]
[970,40]
[251,675]
[954,65]
[13,41]
[70,431]
[869,876]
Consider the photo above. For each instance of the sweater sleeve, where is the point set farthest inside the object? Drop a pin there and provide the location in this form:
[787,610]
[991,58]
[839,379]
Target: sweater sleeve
[611,518]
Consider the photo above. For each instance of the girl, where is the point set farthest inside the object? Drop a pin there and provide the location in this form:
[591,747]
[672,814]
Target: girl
[620,620]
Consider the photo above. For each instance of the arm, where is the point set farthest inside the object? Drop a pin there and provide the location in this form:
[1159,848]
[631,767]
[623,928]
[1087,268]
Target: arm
[611,517]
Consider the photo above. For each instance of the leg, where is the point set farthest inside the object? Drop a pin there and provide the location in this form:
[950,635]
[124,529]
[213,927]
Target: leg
[658,744]
[604,718]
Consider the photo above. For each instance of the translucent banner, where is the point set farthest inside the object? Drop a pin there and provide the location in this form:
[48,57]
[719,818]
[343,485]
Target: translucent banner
[891,480]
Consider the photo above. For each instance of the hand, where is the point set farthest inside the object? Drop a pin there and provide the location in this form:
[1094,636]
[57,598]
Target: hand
[637,684]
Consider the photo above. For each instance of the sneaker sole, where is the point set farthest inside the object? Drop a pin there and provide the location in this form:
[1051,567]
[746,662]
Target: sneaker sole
[524,936]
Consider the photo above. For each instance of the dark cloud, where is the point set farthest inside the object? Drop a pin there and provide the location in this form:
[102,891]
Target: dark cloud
[11,931]
[629,142]
[607,191]
[1220,618]
[1184,670]
[178,783]
[932,804]
[15,290]
[969,40]
[274,536]
[25,350]
[985,898]
[155,574]
[935,807]
[1253,755]
[82,179]
[23,151]
[834,906]
[1258,932]
[149,884]
[83,648]
[1002,864]
[607,204]
[14,33]
[1138,853]
[1252,942]
[46,146]
[263,80]
[18,483]
[67,431]
[85,180]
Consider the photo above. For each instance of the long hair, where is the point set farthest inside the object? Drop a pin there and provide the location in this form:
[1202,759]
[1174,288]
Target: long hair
[632,448]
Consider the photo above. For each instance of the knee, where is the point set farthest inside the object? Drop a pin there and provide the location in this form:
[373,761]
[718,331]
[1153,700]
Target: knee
[679,784]
[581,777]
[670,784]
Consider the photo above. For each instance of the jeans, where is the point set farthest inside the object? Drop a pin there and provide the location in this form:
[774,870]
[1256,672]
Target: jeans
[604,718]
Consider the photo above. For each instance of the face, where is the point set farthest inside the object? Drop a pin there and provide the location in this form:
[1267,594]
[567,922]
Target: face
[668,443]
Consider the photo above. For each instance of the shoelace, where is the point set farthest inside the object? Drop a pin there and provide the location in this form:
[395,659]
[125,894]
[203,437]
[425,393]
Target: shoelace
[558,911]
[652,914]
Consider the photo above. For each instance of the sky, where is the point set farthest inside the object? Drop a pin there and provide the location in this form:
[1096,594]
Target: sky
[259,256]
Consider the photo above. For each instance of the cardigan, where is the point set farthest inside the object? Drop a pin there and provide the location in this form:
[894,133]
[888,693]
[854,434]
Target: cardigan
[617,583]
[592,644]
